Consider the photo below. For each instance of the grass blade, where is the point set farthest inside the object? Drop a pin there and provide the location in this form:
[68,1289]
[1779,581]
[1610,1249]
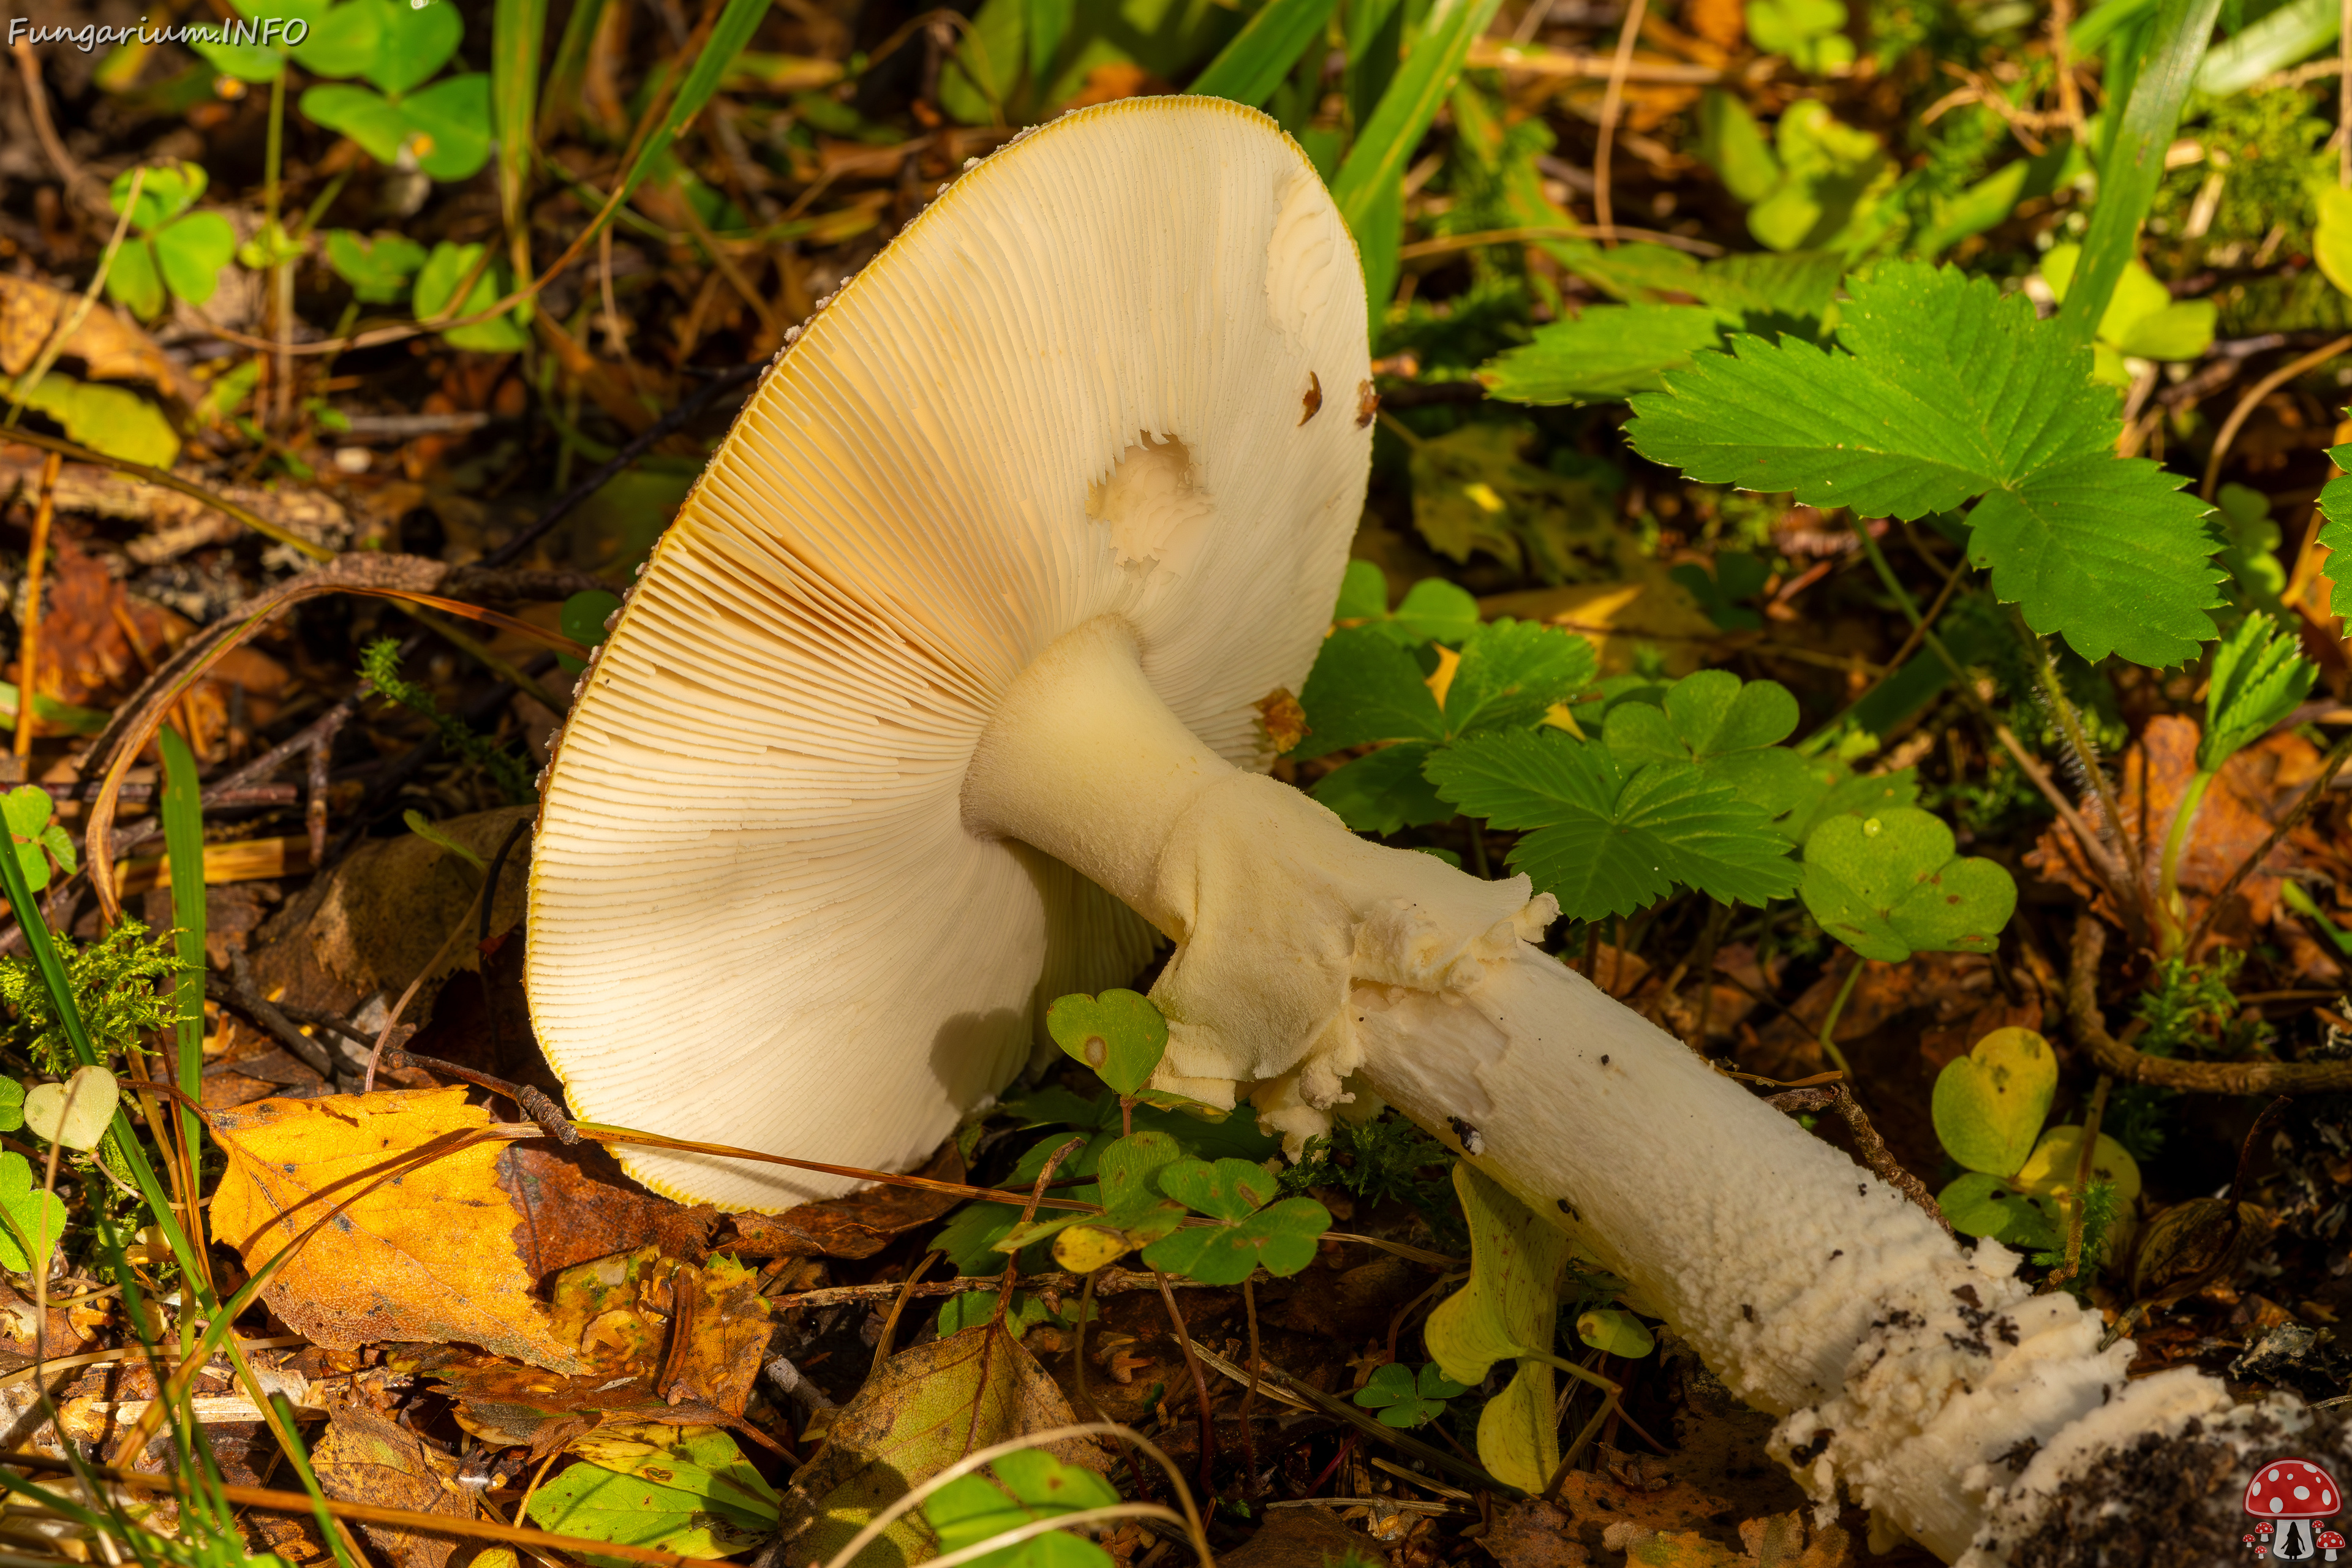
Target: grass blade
[183,842]
[1248,69]
[734,30]
[518,28]
[2128,178]
[1372,177]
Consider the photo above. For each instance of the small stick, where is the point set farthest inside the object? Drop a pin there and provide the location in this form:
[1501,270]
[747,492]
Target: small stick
[1029,1213]
[890,1323]
[1249,1440]
[28,650]
[1867,1142]
[1200,1385]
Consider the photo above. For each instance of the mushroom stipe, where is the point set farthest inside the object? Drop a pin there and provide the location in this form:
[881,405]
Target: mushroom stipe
[941,696]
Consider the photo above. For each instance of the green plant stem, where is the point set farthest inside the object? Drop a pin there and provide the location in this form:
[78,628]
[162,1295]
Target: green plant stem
[183,842]
[1828,1036]
[2076,1202]
[2078,741]
[2168,884]
[2134,161]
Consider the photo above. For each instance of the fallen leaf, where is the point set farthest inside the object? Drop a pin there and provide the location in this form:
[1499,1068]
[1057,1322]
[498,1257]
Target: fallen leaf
[1646,609]
[427,1255]
[110,347]
[366,1458]
[724,1318]
[2253,790]
[929,1407]
[576,1205]
[683,1490]
[859,1225]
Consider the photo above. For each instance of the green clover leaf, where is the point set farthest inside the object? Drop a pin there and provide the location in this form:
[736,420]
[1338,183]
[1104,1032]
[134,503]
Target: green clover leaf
[1989,1105]
[12,1105]
[1120,1035]
[1888,886]
[1228,1190]
[31,1220]
[1281,1239]
[436,286]
[380,269]
[1404,1399]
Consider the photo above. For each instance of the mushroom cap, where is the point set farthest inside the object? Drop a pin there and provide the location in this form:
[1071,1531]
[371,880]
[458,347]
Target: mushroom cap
[1115,370]
[2293,1488]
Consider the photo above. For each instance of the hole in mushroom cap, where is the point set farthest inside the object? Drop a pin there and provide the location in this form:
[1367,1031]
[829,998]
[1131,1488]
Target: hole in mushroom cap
[1153,505]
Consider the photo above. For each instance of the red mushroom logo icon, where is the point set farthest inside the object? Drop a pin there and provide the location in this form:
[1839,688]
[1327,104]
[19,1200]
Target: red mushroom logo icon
[2330,1543]
[2295,1497]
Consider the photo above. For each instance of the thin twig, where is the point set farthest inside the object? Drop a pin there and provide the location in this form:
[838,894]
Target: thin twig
[1612,99]
[2253,400]
[84,187]
[2166,1072]
[1867,1142]
[28,646]
[883,1340]
[1200,1384]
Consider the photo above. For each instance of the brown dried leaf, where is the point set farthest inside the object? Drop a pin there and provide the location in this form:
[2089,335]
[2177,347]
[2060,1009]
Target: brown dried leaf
[366,1458]
[109,345]
[1311,1537]
[720,1310]
[2254,790]
[576,1205]
[856,1225]
[427,1255]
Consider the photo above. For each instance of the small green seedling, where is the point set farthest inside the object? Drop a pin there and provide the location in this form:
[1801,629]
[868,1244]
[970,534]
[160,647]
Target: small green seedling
[381,269]
[2298,899]
[420,826]
[1890,885]
[1988,1107]
[1612,1330]
[1020,1488]
[75,1113]
[1405,1399]
[27,810]
[178,252]
[31,1219]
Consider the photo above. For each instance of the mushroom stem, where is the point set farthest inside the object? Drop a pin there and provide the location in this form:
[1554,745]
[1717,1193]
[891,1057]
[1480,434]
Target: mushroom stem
[1926,1380]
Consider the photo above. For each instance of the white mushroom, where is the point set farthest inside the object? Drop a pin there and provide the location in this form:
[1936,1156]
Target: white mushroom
[956,649]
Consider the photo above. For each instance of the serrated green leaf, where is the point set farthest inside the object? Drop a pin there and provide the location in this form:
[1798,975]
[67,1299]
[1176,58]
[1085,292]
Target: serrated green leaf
[1365,688]
[1603,356]
[1021,1487]
[1989,1105]
[1119,1034]
[1512,672]
[2259,675]
[1384,791]
[1947,391]
[1889,885]
[1609,840]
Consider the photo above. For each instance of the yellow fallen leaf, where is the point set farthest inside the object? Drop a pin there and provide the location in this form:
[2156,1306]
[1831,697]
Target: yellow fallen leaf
[1647,607]
[427,1254]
